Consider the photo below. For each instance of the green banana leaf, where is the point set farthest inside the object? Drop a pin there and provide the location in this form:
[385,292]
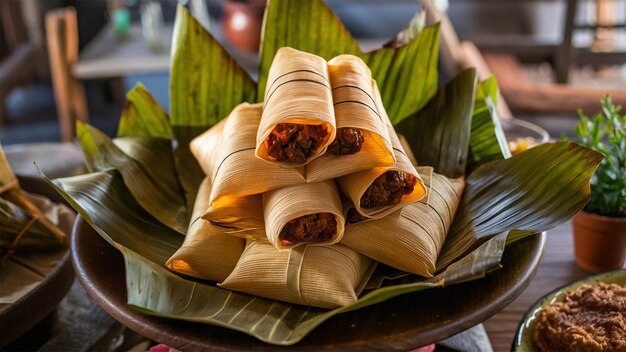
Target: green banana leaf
[530,192]
[142,116]
[141,161]
[311,25]
[439,134]
[103,200]
[205,85]
[487,139]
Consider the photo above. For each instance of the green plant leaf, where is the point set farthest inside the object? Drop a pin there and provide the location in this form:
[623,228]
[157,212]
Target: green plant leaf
[439,134]
[529,192]
[406,76]
[142,116]
[487,139]
[104,201]
[205,85]
[147,167]
[309,26]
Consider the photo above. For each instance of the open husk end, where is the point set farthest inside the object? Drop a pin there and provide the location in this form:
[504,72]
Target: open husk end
[285,205]
[298,92]
[411,238]
[355,185]
[357,107]
[226,154]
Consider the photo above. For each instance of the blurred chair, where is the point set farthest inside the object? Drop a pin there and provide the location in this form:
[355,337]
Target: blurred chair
[19,65]
[69,93]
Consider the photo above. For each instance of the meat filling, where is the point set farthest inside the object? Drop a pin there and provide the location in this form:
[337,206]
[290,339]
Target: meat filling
[348,141]
[312,228]
[388,189]
[294,142]
[590,318]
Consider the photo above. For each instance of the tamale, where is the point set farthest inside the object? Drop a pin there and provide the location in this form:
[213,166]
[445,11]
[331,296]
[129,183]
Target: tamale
[362,141]
[307,213]
[298,121]
[207,252]
[240,216]
[379,191]
[410,238]
[319,276]
[226,154]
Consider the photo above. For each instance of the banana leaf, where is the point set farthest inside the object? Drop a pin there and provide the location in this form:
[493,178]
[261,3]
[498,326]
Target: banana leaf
[439,134]
[141,161]
[205,85]
[142,116]
[311,26]
[530,192]
[487,139]
[104,201]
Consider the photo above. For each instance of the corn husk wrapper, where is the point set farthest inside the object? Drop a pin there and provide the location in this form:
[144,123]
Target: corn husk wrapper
[230,161]
[410,239]
[207,253]
[355,185]
[298,92]
[355,106]
[285,204]
[240,216]
[319,276]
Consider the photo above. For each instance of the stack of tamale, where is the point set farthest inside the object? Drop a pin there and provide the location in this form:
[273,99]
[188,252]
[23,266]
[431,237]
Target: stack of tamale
[305,192]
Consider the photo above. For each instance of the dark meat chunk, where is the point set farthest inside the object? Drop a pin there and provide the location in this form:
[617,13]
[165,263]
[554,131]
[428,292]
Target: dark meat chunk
[348,141]
[354,216]
[294,142]
[312,228]
[388,189]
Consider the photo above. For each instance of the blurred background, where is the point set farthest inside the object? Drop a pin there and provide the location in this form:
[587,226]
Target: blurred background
[56,65]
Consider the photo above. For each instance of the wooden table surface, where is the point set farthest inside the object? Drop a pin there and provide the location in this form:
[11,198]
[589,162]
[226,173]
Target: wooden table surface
[557,269]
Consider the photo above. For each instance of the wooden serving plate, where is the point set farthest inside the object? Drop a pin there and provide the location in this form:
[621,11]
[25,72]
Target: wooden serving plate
[30,309]
[405,322]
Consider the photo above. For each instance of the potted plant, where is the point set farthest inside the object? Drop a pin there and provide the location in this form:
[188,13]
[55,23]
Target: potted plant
[600,228]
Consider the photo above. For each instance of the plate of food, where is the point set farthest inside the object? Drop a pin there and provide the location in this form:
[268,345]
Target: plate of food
[341,189]
[35,267]
[586,315]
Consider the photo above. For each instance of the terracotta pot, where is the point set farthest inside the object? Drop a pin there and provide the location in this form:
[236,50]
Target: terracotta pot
[242,23]
[599,242]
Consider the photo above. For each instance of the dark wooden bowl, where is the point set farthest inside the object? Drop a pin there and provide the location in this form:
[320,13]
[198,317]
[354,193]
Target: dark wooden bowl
[25,313]
[404,322]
